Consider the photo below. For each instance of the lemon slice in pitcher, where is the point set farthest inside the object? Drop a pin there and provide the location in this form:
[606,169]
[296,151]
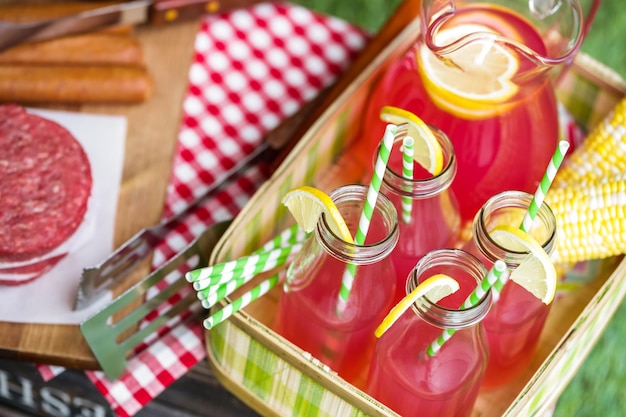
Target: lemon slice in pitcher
[473,81]
[435,288]
[426,149]
[306,204]
[536,272]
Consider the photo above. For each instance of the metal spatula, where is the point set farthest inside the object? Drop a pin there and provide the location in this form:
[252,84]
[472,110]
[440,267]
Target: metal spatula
[113,343]
[113,340]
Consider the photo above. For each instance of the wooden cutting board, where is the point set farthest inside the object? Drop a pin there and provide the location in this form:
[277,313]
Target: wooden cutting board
[150,144]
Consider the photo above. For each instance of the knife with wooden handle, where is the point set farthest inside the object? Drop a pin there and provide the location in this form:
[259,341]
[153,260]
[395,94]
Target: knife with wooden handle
[134,12]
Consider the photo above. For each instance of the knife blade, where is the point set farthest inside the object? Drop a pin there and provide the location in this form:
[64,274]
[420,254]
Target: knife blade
[134,12]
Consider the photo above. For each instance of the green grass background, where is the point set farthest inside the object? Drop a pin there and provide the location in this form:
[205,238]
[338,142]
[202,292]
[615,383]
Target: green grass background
[599,387]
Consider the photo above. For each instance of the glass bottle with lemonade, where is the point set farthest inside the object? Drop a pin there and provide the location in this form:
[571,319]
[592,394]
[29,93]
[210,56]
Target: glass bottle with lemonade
[309,312]
[418,186]
[403,375]
[483,73]
[518,315]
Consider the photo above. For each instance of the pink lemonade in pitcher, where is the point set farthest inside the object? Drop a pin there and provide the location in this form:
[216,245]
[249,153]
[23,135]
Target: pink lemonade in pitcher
[477,72]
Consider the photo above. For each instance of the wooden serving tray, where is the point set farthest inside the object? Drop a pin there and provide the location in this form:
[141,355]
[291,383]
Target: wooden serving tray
[245,343]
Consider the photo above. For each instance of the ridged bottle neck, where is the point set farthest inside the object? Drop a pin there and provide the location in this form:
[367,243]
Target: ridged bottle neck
[453,260]
[423,188]
[349,200]
[500,207]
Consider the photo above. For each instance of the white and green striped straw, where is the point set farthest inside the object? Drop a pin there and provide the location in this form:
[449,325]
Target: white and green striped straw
[212,294]
[241,302]
[245,266]
[497,276]
[285,239]
[368,209]
[215,294]
[544,185]
[209,291]
[374,188]
[407,172]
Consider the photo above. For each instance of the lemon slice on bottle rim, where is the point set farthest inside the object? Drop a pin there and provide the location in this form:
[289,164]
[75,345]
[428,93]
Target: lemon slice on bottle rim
[536,272]
[435,288]
[473,81]
[426,148]
[306,204]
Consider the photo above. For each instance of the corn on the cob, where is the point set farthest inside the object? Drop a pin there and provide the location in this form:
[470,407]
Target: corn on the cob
[601,155]
[591,220]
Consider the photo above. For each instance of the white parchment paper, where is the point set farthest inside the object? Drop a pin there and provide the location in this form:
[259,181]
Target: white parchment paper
[50,298]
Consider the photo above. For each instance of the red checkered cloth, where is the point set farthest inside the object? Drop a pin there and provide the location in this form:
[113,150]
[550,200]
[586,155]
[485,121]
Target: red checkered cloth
[252,69]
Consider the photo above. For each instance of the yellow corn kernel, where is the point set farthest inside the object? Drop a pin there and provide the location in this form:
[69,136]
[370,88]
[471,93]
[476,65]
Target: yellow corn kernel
[590,219]
[601,155]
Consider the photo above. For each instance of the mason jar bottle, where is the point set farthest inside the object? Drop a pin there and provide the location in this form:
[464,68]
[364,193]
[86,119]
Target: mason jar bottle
[309,313]
[514,324]
[428,212]
[403,376]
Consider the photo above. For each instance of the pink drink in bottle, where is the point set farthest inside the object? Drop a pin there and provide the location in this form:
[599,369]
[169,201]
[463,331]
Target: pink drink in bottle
[308,314]
[432,221]
[515,321]
[402,375]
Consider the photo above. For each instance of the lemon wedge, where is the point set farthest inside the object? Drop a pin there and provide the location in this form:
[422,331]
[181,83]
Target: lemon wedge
[473,81]
[435,288]
[536,272]
[306,204]
[426,148]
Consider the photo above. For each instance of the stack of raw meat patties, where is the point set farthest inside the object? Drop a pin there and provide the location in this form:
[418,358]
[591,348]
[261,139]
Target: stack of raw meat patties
[45,186]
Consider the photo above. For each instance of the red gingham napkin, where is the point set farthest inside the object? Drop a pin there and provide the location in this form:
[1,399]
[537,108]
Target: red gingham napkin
[252,68]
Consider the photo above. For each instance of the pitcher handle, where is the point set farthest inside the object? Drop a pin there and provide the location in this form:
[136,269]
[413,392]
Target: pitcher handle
[589,11]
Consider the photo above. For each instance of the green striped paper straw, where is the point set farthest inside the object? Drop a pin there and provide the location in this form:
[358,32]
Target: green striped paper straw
[216,294]
[209,291]
[374,188]
[368,209]
[286,238]
[246,265]
[497,276]
[544,185]
[407,172]
[241,302]
[218,291]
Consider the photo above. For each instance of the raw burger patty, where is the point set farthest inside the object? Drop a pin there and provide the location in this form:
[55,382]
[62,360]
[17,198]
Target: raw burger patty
[45,183]
[27,273]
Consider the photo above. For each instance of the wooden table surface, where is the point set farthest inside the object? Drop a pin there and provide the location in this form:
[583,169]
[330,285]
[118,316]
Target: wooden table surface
[150,144]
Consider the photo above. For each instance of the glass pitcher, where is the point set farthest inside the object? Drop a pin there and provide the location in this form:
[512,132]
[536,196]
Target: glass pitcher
[483,72]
